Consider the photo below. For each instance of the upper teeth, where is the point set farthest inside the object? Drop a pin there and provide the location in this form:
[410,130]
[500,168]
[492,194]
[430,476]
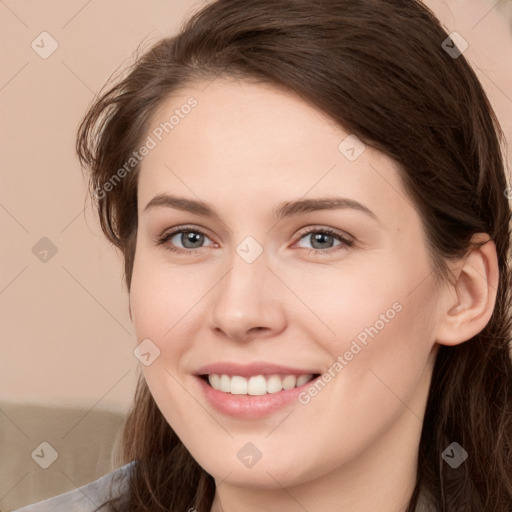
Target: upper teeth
[257,385]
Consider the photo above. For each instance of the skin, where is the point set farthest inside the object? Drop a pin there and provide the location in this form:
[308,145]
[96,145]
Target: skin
[244,149]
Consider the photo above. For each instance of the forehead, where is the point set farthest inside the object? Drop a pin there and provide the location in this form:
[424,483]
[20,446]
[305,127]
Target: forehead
[261,145]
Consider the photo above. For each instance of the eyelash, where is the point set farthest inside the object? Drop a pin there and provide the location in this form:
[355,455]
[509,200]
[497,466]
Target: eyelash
[345,242]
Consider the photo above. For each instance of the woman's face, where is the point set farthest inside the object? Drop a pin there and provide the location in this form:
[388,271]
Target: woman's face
[246,266]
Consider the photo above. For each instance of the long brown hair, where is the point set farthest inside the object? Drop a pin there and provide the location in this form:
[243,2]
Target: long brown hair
[380,69]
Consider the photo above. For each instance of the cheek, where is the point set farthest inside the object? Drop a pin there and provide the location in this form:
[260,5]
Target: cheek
[385,353]
[162,302]
[379,327]
[162,297]
[353,301]
[381,356]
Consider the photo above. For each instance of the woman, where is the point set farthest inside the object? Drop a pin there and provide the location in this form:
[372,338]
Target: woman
[310,199]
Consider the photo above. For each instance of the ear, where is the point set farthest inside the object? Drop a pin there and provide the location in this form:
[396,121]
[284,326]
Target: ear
[470,303]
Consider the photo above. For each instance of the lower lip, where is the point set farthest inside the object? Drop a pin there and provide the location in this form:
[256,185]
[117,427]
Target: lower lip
[251,406]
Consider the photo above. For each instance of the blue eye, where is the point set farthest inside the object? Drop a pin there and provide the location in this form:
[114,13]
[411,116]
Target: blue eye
[189,238]
[322,240]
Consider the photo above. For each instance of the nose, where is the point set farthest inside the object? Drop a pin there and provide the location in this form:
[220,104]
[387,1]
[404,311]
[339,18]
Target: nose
[248,301]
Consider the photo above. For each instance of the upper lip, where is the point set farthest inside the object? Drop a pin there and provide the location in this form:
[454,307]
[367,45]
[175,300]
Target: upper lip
[249,370]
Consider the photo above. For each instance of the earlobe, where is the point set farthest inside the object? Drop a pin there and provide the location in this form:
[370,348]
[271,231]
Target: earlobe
[475,294]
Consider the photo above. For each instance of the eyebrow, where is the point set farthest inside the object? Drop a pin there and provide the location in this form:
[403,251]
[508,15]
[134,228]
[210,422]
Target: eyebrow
[286,209]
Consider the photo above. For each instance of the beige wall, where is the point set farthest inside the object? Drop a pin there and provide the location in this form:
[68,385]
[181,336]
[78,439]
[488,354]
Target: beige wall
[66,335]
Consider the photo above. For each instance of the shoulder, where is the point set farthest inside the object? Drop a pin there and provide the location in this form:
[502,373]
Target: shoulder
[86,498]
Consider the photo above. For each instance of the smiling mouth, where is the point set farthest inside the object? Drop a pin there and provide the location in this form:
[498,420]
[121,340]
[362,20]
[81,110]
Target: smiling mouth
[257,384]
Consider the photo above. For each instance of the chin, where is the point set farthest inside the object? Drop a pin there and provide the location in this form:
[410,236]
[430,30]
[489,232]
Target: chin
[267,474]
